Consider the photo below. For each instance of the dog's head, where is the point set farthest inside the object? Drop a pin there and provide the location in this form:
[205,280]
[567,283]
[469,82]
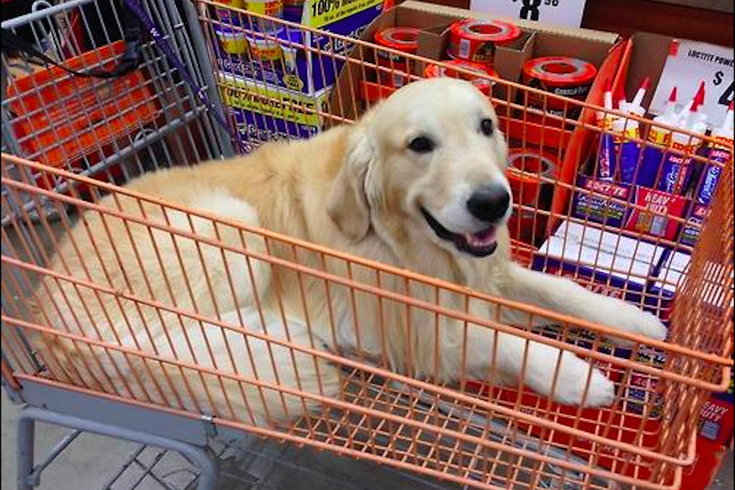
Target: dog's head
[431,156]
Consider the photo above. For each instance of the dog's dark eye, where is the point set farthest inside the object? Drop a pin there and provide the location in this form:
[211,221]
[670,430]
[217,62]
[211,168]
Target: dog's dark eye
[421,144]
[487,127]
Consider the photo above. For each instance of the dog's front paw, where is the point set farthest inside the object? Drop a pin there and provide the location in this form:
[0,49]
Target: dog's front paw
[571,391]
[633,320]
[570,379]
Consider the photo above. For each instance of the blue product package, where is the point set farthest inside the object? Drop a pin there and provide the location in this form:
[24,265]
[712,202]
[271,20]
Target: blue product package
[263,113]
[677,168]
[600,201]
[653,156]
[628,156]
[692,227]
[711,175]
[606,158]
[650,165]
[627,133]
[603,261]
[304,68]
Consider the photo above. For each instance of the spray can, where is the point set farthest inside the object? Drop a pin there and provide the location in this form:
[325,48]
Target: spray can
[719,155]
[657,138]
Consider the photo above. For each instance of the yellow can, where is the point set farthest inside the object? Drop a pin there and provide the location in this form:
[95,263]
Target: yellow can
[232,38]
[264,48]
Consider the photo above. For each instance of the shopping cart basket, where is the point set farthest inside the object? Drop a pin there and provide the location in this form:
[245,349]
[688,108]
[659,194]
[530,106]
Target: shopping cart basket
[468,432]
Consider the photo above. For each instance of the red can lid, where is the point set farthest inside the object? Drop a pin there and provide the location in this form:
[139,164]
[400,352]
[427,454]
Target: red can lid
[404,39]
[560,70]
[496,31]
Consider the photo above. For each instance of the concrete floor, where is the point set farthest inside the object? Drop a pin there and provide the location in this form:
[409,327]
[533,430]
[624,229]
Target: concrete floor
[93,461]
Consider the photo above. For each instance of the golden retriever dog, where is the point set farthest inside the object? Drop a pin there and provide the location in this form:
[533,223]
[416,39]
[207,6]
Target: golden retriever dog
[417,183]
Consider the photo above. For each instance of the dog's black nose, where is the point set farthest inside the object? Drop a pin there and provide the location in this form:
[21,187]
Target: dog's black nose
[489,203]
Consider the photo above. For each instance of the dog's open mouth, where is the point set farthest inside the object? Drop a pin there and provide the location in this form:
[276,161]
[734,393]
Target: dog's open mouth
[479,244]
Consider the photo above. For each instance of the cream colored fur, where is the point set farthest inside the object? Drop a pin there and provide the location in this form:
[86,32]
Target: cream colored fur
[357,189]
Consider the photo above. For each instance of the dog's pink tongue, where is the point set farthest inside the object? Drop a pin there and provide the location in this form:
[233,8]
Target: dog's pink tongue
[482,238]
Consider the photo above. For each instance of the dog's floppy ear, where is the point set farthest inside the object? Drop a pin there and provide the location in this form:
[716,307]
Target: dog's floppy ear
[347,203]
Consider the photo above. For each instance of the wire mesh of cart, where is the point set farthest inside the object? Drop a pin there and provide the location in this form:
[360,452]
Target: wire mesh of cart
[175,358]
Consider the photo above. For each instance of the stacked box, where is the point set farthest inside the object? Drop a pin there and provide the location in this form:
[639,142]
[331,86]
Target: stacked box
[287,64]
[263,113]
[613,205]
[605,262]
[716,419]
[692,227]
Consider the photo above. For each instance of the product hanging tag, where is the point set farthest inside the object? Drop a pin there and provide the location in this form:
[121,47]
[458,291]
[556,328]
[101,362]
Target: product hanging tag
[688,64]
[566,13]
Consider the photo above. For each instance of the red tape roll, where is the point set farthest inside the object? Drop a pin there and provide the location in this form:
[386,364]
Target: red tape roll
[476,40]
[483,84]
[560,75]
[401,39]
[404,39]
[527,166]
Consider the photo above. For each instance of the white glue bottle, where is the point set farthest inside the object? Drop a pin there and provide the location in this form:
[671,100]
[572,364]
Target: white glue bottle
[658,138]
[627,131]
[677,168]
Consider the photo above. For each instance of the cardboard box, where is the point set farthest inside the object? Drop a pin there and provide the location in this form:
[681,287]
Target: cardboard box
[308,71]
[601,202]
[432,44]
[670,277]
[263,113]
[717,416]
[599,48]
[614,203]
[281,97]
[661,291]
[645,55]
[635,208]
[605,262]
[692,227]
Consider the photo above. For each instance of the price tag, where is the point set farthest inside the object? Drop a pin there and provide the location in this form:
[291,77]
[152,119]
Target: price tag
[556,12]
[689,63]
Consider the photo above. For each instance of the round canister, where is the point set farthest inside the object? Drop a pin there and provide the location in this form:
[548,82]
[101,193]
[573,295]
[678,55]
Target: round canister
[480,81]
[231,36]
[292,45]
[531,172]
[559,75]
[398,68]
[264,47]
[476,40]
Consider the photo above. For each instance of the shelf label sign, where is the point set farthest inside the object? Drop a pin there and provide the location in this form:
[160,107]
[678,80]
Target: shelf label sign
[688,64]
[566,13]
